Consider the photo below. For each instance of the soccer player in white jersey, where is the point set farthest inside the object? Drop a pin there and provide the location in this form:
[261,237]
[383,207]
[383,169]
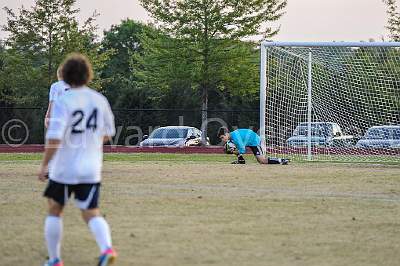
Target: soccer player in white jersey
[57,89]
[80,121]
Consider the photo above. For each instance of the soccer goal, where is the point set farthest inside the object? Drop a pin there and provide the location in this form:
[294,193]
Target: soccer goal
[336,101]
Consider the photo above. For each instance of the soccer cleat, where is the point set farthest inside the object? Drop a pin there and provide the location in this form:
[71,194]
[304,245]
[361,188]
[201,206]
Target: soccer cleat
[285,161]
[108,257]
[238,162]
[55,262]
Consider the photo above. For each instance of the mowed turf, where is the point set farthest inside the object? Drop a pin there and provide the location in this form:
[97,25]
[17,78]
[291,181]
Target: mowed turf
[200,210]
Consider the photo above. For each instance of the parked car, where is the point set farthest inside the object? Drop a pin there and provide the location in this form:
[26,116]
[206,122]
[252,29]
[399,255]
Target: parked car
[381,137]
[173,136]
[325,134]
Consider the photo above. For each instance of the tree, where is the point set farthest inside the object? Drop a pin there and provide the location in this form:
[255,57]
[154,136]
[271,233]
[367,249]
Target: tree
[19,80]
[204,31]
[393,19]
[48,31]
[120,84]
[39,38]
[166,70]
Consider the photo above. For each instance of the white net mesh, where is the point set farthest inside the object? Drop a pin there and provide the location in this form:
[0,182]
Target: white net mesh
[355,103]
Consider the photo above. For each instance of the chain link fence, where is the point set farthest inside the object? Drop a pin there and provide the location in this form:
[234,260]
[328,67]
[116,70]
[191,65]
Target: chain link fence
[26,125]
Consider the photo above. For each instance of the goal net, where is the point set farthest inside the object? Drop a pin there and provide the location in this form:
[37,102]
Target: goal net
[331,101]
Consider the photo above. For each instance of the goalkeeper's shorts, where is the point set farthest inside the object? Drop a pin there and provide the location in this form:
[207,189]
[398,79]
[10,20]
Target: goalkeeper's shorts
[257,150]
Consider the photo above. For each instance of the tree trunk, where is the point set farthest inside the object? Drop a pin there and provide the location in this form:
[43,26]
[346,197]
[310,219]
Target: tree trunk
[204,116]
[205,77]
[50,65]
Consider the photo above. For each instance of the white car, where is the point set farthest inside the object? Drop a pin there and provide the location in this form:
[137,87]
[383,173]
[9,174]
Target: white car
[381,137]
[173,136]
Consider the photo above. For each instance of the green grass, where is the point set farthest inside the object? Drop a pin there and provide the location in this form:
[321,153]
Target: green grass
[211,158]
[132,157]
[20,156]
[140,157]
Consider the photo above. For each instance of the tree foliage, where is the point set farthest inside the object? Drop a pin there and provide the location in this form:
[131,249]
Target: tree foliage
[18,78]
[125,39]
[205,36]
[206,20]
[41,36]
[393,19]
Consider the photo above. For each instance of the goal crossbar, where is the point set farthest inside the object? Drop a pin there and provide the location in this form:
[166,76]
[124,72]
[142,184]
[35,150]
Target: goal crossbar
[330,44]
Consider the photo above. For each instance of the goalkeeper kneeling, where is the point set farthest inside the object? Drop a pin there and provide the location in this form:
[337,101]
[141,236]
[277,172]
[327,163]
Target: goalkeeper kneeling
[237,141]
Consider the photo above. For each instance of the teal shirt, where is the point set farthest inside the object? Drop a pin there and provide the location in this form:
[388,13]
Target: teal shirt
[244,138]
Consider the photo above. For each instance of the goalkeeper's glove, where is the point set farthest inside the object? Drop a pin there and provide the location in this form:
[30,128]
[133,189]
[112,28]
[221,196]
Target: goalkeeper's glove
[240,160]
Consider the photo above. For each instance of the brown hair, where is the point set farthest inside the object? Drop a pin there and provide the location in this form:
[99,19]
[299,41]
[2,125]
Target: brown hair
[59,72]
[222,131]
[77,70]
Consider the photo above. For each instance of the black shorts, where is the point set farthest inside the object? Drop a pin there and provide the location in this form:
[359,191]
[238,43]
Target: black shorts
[257,150]
[86,195]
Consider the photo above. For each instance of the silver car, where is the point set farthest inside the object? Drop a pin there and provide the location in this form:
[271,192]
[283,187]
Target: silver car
[173,136]
[323,134]
[381,137]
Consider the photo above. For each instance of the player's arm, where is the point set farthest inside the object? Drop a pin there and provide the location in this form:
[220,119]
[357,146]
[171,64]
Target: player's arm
[109,124]
[54,134]
[50,149]
[47,116]
[52,97]
[241,148]
[52,146]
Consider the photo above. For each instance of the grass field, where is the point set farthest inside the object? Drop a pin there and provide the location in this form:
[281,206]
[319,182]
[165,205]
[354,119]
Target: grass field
[200,210]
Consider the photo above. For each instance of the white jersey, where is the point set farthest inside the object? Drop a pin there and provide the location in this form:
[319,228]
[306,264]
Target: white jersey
[80,119]
[57,89]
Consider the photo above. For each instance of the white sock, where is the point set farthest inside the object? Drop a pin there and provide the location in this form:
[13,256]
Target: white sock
[53,229]
[101,232]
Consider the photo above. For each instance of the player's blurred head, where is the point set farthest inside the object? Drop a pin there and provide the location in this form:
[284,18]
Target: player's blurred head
[223,134]
[77,70]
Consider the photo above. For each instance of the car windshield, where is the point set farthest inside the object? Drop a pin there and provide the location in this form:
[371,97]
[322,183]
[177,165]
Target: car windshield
[396,133]
[383,133]
[169,133]
[316,130]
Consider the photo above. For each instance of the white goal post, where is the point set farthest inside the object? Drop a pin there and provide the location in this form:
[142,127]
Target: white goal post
[310,88]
